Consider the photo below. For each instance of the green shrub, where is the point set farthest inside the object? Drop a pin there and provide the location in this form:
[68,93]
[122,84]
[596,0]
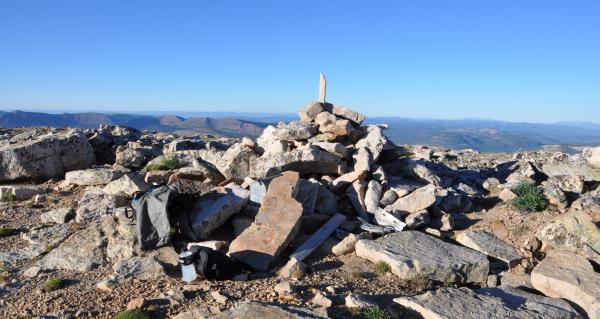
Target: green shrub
[530,198]
[132,314]
[7,231]
[53,284]
[164,165]
[9,197]
[381,267]
[375,313]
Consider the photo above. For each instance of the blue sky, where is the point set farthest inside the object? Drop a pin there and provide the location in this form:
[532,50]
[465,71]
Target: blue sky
[536,61]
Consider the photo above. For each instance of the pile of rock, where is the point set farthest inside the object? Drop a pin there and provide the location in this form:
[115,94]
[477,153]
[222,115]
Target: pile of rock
[301,182]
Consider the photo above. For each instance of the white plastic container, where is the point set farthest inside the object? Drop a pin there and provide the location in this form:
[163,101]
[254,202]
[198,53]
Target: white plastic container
[188,271]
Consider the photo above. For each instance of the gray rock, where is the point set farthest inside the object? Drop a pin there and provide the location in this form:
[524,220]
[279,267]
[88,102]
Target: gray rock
[308,192]
[93,205]
[211,210]
[555,196]
[258,190]
[569,276]
[45,157]
[568,183]
[310,112]
[135,158]
[417,220]
[92,176]
[486,303]
[305,160]
[26,253]
[574,231]
[127,184]
[47,236]
[58,216]
[388,198]
[413,254]
[333,148]
[344,112]
[22,192]
[384,218]
[295,131]
[522,281]
[81,252]
[326,202]
[260,310]
[490,245]
[347,244]
[372,196]
[374,141]
[416,201]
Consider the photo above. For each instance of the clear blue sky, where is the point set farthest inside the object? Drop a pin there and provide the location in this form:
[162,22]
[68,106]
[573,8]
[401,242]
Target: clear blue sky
[510,60]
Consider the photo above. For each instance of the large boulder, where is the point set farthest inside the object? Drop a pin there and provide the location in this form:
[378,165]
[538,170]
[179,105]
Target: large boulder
[412,254]
[486,303]
[45,157]
[569,276]
[275,225]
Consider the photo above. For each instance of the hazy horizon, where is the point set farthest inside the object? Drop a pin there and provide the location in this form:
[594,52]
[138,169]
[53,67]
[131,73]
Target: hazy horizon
[285,115]
[534,61]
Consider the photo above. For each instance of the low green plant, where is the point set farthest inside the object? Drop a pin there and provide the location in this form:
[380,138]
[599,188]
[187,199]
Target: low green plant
[7,231]
[9,198]
[164,165]
[381,267]
[53,284]
[375,313]
[132,314]
[530,198]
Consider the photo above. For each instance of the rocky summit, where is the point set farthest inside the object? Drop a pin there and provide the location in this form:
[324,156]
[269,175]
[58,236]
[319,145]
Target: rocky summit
[323,217]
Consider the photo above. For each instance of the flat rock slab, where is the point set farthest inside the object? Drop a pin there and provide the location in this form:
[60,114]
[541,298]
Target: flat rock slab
[490,245]
[275,225]
[261,310]
[499,303]
[211,210]
[93,176]
[566,275]
[414,254]
[81,252]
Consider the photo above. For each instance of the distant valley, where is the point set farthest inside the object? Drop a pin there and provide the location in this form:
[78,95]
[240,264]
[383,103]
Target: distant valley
[481,135]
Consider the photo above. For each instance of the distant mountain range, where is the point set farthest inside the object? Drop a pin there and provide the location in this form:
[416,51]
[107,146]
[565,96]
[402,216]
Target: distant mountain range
[167,123]
[481,135]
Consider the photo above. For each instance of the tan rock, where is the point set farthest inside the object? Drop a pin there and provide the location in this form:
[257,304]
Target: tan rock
[569,276]
[416,201]
[275,225]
